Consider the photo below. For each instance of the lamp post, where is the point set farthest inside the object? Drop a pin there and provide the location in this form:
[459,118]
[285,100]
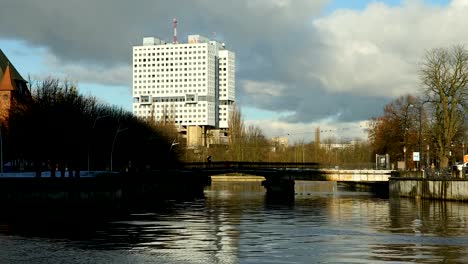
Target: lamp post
[89,141]
[427,157]
[420,132]
[463,146]
[113,144]
[174,143]
[404,154]
[406,128]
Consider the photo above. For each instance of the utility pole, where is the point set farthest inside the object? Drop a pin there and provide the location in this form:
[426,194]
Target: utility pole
[421,107]
[404,153]
[427,157]
[89,140]
[113,143]
[174,143]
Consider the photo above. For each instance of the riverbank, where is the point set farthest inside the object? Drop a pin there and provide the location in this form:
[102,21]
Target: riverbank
[104,190]
[407,184]
[436,189]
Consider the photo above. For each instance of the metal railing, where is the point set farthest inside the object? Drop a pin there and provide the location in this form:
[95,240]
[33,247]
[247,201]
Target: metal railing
[430,173]
[251,165]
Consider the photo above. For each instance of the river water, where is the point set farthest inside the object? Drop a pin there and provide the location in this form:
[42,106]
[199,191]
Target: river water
[236,223]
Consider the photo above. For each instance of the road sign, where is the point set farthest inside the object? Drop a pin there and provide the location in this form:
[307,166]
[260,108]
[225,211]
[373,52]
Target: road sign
[415,156]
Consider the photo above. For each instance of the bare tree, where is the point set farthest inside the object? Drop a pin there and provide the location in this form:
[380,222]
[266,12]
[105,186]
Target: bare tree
[256,144]
[444,74]
[59,127]
[236,134]
[396,129]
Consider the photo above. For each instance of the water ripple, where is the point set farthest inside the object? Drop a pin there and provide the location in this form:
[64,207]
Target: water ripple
[239,225]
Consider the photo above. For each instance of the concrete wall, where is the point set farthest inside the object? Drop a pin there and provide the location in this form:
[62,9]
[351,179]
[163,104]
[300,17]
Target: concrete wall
[357,175]
[196,136]
[443,189]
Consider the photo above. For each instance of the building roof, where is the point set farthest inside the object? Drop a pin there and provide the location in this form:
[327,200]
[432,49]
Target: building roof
[4,61]
[11,80]
[6,82]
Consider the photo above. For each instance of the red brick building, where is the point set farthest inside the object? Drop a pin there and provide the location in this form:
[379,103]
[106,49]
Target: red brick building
[13,88]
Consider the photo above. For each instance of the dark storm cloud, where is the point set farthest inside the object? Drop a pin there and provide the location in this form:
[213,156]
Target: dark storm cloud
[273,40]
[310,103]
[103,31]
[341,108]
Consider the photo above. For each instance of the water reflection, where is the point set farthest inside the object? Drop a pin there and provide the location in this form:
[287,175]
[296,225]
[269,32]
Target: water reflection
[236,223]
[434,231]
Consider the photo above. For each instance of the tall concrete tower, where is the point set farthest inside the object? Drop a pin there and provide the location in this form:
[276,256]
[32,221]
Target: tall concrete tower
[317,136]
[190,84]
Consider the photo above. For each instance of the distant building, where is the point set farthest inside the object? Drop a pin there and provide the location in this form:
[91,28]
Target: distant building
[13,88]
[279,143]
[334,145]
[190,84]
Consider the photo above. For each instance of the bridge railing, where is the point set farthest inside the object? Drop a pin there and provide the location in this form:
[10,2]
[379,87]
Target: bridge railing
[349,166]
[251,165]
[432,174]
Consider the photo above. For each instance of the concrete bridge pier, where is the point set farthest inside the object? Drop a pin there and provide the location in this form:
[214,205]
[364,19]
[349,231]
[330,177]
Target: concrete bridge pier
[279,187]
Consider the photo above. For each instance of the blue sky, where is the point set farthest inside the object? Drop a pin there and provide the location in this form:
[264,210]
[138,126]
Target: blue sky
[338,71]
[31,61]
[355,5]
[361,4]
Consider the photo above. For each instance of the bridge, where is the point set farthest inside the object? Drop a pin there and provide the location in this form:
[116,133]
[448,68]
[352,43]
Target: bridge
[280,176]
[136,187]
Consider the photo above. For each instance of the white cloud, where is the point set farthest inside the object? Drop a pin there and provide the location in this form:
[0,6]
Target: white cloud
[343,66]
[459,3]
[349,64]
[305,132]
[377,51]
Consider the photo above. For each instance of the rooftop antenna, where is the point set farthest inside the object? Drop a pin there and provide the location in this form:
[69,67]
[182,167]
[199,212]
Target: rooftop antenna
[175,31]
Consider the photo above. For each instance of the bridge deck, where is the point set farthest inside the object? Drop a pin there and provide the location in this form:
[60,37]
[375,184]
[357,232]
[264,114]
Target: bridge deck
[294,171]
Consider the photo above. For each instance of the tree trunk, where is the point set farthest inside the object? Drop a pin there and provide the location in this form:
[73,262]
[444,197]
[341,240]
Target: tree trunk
[443,161]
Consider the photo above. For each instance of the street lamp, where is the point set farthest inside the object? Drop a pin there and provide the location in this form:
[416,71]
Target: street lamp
[463,151]
[427,156]
[174,143]
[89,140]
[404,153]
[113,143]
[420,131]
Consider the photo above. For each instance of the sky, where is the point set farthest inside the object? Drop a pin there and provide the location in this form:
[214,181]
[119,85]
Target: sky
[301,64]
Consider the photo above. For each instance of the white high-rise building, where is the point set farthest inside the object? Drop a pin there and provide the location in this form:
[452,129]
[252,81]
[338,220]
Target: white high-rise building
[191,84]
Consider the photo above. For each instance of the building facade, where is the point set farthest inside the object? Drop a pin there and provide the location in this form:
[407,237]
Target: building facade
[189,84]
[13,88]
